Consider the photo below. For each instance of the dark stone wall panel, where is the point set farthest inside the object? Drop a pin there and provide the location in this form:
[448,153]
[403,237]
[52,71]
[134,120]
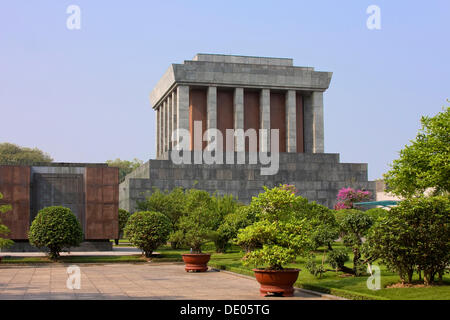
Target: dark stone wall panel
[102,203]
[251,114]
[278,117]
[197,112]
[225,113]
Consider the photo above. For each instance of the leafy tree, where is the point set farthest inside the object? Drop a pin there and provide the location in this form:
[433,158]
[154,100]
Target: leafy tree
[172,204]
[197,225]
[415,235]
[425,163]
[230,226]
[322,220]
[55,228]
[279,235]
[14,154]
[4,230]
[148,230]
[354,226]
[125,166]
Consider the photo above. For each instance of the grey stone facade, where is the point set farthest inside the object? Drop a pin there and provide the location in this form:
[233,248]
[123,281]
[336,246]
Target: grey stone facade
[318,177]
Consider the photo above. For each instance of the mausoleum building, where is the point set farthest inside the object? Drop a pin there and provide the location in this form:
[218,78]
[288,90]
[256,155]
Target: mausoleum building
[226,92]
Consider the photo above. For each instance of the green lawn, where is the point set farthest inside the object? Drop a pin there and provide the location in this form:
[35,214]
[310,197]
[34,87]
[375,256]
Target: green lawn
[331,282]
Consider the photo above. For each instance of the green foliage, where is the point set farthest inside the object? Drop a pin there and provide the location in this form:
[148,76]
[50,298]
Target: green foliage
[376,213]
[172,204]
[425,163]
[322,220]
[277,237]
[147,230]
[354,225]
[125,166]
[4,230]
[14,154]
[415,235]
[55,228]
[124,215]
[232,218]
[315,269]
[337,258]
[198,224]
[273,204]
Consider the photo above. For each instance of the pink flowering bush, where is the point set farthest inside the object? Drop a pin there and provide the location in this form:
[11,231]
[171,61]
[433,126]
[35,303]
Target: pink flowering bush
[348,196]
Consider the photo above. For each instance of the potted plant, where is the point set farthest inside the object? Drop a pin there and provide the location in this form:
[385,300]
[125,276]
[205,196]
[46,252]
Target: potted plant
[195,228]
[275,239]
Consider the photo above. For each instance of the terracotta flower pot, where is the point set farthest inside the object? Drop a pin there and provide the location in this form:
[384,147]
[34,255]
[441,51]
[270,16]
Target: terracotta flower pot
[196,262]
[277,281]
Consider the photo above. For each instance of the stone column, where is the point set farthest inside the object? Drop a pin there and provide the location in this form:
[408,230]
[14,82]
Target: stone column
[164,125]
[313,123]
[161,136]
[264,141]
[174,115]
[238,109]
[291,128]
[182,108]
[169,122]
[158,144]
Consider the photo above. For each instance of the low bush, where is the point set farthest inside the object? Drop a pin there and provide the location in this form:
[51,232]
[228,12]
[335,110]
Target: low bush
[337,258]
[147,230]
[55,228]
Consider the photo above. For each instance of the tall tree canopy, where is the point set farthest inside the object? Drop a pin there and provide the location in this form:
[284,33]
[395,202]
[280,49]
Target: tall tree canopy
[425,163]
[14,154]
[125,166]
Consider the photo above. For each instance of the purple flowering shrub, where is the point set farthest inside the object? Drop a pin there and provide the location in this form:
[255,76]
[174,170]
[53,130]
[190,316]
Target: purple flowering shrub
[348,196]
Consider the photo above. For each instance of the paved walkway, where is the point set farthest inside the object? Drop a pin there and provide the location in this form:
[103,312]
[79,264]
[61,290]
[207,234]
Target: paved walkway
[130,281]
[117,251]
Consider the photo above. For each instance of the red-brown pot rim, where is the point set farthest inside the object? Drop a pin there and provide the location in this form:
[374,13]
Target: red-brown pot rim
[195,254]
[274,271]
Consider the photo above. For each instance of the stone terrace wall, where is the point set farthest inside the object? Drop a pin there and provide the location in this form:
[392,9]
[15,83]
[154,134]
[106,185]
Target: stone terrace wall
[318,177]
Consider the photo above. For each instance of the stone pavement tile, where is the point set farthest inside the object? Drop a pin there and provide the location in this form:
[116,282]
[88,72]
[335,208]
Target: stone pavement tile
[132,281]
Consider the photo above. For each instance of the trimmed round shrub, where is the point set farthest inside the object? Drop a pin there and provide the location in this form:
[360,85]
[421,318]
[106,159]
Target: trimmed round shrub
[147,230]
[54,229]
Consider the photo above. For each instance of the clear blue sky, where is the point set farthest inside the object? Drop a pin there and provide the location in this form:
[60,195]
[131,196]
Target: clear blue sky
[82,95]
